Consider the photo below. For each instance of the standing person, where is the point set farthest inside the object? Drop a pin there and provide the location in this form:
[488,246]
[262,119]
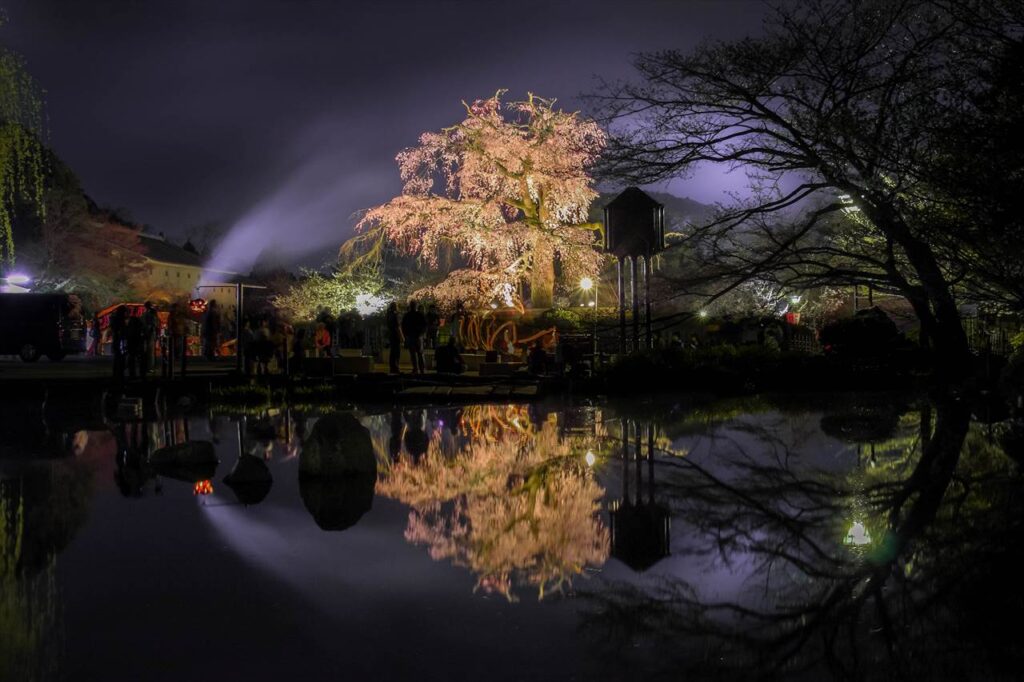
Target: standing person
[287,346]
[507,347]
[414,324]
[455,324]
[177,328]
[118,328]
[280,343]
[264,348]
[433,325]
[211,330]
[298,350]
[394,325]
[538,358]
[329,326]
[150,327]
[322,339]
[133,344]
[247,347]
[90,337]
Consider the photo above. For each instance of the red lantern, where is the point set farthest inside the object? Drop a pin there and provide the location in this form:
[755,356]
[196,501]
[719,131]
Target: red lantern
[793,318]
[197,305]
[202,487]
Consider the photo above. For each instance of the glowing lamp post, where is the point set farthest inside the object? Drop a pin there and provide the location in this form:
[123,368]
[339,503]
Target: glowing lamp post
[586,284]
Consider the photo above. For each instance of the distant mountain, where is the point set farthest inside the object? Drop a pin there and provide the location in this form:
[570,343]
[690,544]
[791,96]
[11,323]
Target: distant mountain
[679,211]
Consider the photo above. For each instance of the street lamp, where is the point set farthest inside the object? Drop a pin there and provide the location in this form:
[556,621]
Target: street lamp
[586,284]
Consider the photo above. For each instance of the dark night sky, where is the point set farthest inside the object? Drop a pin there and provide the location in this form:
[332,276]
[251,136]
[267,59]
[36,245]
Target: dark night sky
[281,118]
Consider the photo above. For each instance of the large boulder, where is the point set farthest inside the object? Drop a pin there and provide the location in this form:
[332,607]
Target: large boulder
[337,446]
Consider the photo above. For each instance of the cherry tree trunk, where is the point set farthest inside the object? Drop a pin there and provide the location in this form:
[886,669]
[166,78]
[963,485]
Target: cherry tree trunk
[542,275]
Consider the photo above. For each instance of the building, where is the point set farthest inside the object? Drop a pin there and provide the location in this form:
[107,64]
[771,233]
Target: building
[174,272]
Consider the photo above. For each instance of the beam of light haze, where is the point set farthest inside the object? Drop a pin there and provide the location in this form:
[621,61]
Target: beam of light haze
[309,212]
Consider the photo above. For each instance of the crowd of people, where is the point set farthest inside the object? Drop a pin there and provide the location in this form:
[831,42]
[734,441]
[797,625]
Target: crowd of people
[142,339]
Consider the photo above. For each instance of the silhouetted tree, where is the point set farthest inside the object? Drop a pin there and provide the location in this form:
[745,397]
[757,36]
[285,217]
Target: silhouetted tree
[850,119]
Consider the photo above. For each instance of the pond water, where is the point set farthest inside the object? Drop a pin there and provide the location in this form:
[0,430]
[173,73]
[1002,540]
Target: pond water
[827,537]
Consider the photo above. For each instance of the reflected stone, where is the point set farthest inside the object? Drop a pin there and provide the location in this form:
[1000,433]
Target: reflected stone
[339,502]
[190,462]
[640,534]
[250,480]
[338,446]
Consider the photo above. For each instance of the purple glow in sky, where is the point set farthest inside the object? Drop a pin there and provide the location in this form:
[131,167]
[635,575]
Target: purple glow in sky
[282,119]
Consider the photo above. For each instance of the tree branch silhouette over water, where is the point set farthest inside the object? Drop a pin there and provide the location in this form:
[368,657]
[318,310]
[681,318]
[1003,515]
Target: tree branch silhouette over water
[912,593]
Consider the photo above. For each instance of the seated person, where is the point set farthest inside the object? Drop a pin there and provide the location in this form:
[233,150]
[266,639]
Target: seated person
[538,358]
[448,360]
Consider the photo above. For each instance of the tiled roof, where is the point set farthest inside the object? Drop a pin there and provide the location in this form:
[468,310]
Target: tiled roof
[159,249]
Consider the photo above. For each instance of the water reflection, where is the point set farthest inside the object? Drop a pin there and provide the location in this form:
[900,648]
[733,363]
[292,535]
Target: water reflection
[509,499]
[42,507]
[808,566]
[641,528]
[855,537]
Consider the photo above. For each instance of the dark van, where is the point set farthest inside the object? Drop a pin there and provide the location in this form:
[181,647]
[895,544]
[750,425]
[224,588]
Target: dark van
[41,324]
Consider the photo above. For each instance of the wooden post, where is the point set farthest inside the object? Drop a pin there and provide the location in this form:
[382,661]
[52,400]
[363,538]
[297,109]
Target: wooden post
[625,461]
[639,467]
[622,306]
[647,302]
[635,291]
[650,463]
[238,327]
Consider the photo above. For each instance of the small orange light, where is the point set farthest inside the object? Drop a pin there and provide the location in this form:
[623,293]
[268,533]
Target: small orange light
[202,487]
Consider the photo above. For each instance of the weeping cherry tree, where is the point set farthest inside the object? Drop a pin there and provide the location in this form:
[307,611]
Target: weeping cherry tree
[507,190]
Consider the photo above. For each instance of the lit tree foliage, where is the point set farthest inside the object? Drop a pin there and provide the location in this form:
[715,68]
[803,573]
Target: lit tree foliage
[337,291]
[508,188]
[21,151]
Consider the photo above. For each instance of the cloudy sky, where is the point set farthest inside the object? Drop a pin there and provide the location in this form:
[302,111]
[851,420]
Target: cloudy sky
[280,118]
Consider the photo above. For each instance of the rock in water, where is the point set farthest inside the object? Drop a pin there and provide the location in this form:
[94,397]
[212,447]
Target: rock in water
[192,461]
[337,446]
[250,480]
[338,502]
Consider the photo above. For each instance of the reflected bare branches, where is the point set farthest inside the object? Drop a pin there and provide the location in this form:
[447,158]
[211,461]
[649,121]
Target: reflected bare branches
[803,566]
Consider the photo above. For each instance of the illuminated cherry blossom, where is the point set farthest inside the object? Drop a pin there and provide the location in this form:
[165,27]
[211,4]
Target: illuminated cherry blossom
[509,189]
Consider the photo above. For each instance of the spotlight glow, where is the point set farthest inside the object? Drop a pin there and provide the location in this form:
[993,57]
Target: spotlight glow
[18,278]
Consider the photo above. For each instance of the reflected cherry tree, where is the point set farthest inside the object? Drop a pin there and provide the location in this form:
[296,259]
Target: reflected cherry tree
[513,502]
